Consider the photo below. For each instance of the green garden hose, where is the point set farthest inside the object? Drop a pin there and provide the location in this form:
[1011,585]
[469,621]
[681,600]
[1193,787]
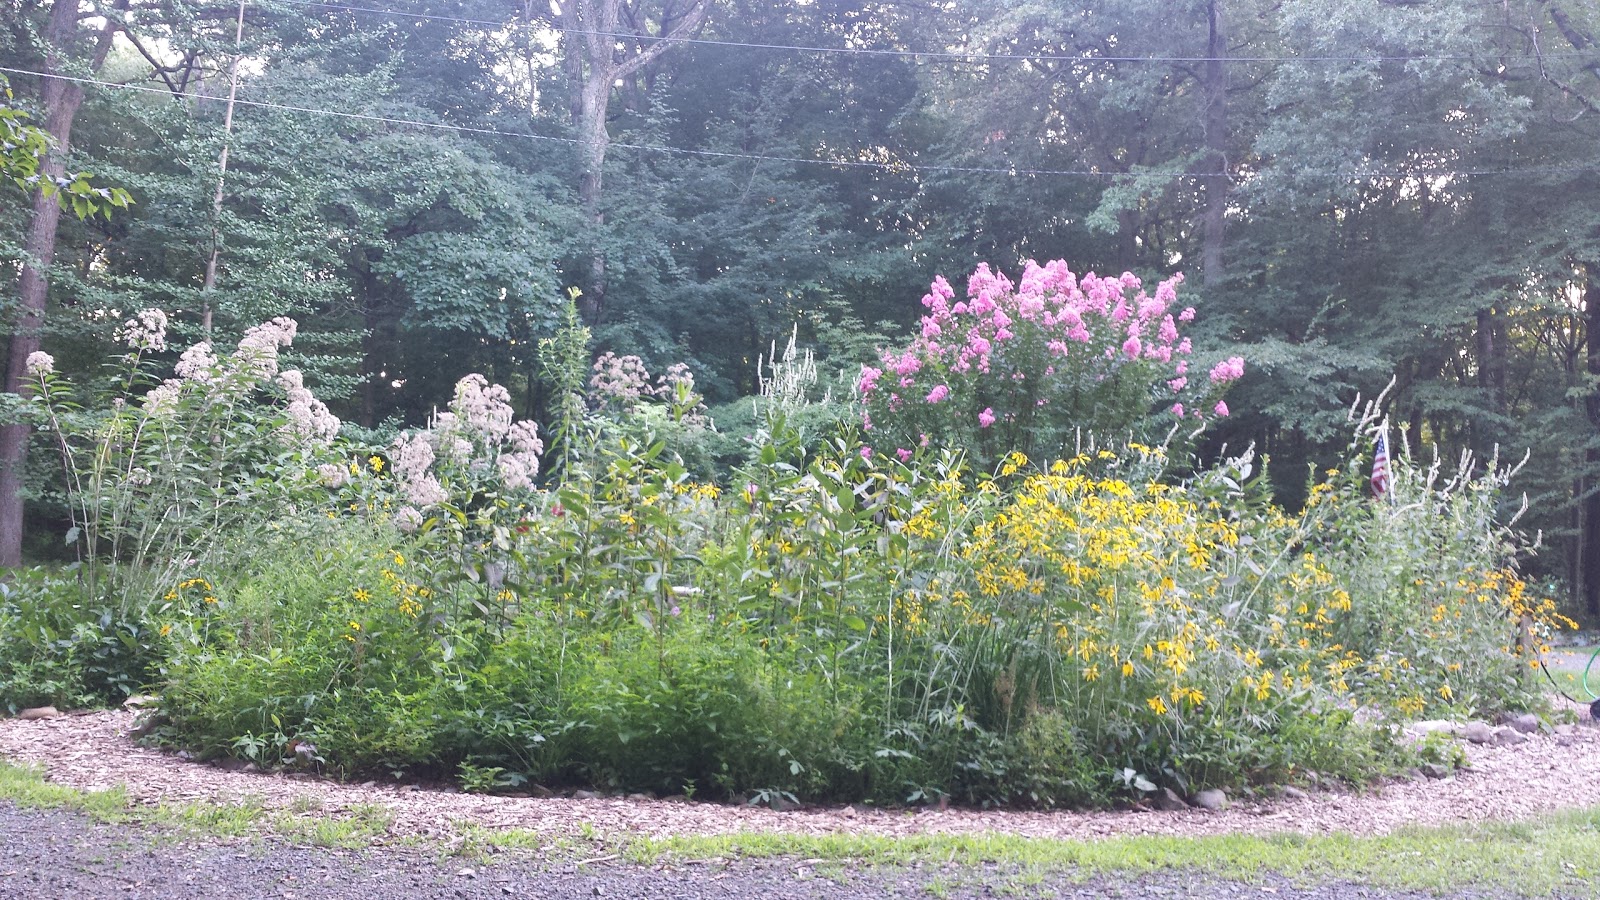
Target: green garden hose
[1594,696]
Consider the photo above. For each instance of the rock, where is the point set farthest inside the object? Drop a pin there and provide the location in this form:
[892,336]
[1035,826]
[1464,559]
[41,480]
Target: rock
[466,873]
[1527,723]
[1435,770]
[1211,799]
[1507,736]
[1167,799]
[586,795]
[38,712]
[849,812]
[1434,726]
[641,796]
[540,791]
[1478,733]
[1567,728]
[139,701]
[1293,793]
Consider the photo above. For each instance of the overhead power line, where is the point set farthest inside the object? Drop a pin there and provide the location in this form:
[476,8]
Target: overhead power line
[1009,171]
[929,54]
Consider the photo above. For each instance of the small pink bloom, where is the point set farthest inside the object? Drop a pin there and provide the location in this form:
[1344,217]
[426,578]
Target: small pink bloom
[903,453]
[1221,408]
[1178,384]
[986,418]
[938,393]
[1230,369]
[866,452]
[1132,348]
[1177,410]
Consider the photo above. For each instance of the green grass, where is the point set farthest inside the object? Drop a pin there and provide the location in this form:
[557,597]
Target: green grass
[1555,854]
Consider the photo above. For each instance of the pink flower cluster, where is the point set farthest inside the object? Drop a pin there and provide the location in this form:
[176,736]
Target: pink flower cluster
[1044,356]
[963,336]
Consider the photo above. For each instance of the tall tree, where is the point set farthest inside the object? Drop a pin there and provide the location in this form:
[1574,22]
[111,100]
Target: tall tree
[70,48]
[608,41]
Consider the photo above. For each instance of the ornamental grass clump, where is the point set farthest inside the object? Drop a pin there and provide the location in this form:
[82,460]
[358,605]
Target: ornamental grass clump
[1039,365]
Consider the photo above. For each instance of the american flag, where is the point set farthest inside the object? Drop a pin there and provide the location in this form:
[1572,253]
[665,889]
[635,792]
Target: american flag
[1380,467]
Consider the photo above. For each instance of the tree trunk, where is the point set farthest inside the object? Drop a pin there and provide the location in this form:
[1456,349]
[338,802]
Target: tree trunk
[596,140]
[60,100]
[1491,360]
[594,66]
[1215,177]
[1589,533]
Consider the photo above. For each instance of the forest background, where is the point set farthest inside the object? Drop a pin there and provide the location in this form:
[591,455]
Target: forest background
[1358,191]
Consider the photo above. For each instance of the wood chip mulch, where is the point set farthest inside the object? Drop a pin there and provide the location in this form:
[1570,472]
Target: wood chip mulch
[1552,771]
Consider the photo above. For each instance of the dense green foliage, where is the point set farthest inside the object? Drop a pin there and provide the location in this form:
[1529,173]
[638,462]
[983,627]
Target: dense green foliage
[1404,189]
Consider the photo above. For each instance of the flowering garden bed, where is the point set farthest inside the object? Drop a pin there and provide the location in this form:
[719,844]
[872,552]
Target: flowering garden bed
[994,609]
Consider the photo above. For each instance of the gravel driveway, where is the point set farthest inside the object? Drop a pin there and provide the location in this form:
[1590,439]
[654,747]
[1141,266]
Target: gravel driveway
[48,855]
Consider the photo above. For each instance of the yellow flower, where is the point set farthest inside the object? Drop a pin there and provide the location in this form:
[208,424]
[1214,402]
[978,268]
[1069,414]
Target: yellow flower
[166,629]
[376,462]
[210,599]
[1127,668]
[361,594]
[1157,705]
[399,560]
[355,626]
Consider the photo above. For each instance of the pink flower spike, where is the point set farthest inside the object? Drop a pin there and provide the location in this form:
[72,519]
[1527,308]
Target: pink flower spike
[1221,408]
[903,453]
[986,418]
[866,452]
[1177,410]
[1132,348]
[938,393]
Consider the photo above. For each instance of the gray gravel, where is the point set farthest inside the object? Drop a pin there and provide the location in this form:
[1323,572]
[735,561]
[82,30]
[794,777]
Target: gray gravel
[49,855]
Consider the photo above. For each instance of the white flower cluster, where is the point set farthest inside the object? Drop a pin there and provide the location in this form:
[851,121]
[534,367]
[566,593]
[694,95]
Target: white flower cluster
[197,363]
[309,417]
[145,331]
[411,458]
[254,361]
[39,364]
[520,465]
[477,434]
[333,475]
[258,349]
[620,381]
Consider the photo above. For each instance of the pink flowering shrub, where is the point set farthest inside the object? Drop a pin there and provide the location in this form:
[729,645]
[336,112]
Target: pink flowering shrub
[1030,365]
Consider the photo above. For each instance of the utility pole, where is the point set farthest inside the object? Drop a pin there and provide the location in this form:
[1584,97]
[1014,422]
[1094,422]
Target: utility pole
[210,282]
